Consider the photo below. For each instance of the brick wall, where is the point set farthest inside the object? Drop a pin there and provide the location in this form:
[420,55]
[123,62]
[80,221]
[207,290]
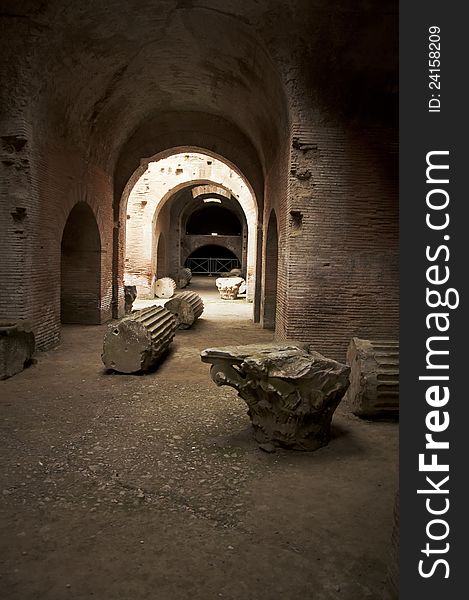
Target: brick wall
[17,217]
[62,180]
[343,236]
[276,197]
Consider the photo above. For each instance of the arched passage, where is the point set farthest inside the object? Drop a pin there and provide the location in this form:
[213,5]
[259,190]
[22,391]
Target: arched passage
[80,293]
[270,273]
[221,90]
[156,203]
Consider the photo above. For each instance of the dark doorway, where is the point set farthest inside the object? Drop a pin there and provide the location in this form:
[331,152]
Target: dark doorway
[80,297]
[212,260]
[213,219]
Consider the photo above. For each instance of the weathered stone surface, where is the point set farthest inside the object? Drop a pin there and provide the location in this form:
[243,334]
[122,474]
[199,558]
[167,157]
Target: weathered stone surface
[229,287]
[138,341]
[183,278]
[130,293]
[16,347]
[291,393]
[164,287]
[186,307]
[374,378]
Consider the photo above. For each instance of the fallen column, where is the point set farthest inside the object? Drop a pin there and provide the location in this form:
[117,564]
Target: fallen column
[164,287]
[183,278]
[374,378]
[229,287]
[139,340]
[186,307]
[291,393]
[16,347]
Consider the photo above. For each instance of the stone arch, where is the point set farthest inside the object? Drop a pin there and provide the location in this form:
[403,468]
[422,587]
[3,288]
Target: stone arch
[145,204]
[80,270]
[212,259]
[199,194]
[222,90]
[231,249]
[270,273]
[236,242]
[206,153]
[233,82]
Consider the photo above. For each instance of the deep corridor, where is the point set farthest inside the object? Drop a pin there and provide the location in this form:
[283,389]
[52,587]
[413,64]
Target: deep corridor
[120,486]
[137,138]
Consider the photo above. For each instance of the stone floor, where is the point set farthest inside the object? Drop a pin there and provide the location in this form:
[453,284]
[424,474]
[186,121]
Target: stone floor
[151,486]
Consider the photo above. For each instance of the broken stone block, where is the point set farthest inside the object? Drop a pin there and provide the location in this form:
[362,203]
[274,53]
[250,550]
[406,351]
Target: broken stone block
[130,293]
[291,393]
[138,341]
[229,287]
[186,307]
[16,347]
[374,378]
[164,287]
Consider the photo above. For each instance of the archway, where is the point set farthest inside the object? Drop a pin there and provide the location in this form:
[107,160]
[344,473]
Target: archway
[223,91]
[270,273]
[211,260]
[163,199]
[80,293]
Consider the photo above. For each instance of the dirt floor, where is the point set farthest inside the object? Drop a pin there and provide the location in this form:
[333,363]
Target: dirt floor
[151,486]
